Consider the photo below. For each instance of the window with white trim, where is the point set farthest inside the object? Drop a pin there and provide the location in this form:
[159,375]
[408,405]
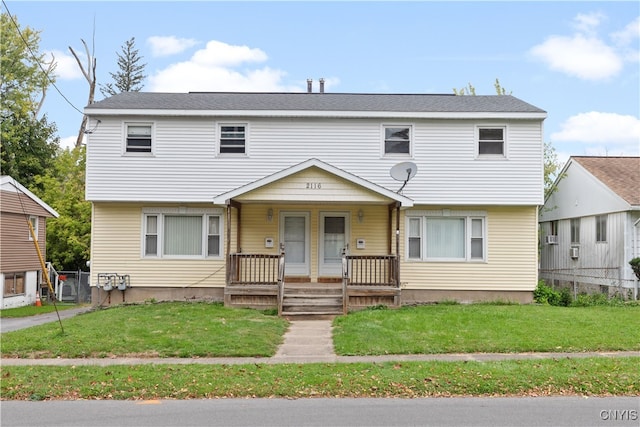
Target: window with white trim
[233,138]
[455,237]
[575,230]
[33,220]
[397,139]
[139,138]
[491,141]
[182,235]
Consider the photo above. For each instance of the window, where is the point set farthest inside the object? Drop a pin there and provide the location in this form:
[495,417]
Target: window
[233,139]
[601,228]
[397,140]
[180,235]
[13,284]
[446,238]
[138,138]
[491,141]
[33,220]
[575,230]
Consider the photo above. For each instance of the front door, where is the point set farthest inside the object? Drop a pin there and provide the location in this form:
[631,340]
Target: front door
[294,233]
[334,237]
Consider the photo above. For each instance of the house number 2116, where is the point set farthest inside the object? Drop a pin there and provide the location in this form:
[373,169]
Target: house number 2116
[314,186]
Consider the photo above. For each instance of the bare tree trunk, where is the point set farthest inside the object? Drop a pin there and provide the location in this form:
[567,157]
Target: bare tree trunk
[90,75]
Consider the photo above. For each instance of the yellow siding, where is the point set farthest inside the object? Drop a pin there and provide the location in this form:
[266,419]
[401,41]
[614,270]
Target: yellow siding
[116,248]
[511,257]
[313,185]
[256,227]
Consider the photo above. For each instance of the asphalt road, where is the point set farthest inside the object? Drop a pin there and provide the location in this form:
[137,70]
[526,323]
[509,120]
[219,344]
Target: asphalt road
[442,412]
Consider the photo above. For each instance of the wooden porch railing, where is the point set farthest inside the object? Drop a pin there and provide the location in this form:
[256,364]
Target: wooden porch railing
[376,271]
[371,270]
[258,270]
[255,269]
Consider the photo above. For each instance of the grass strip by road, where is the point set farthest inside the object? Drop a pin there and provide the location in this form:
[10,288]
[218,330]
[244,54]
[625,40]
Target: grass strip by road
[180,329]
[487,328]
[32,310]
[543,377]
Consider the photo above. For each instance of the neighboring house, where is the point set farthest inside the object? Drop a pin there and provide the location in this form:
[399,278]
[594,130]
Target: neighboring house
[590,225]
[20,267]
[194,193]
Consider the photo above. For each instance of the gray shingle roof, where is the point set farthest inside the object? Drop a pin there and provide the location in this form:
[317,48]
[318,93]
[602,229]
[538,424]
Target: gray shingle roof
[245,101]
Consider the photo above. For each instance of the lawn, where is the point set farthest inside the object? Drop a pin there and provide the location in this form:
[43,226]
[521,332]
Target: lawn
[182,329]
[185,329]
[487,328]
[583,377]
[32,310]
[152,330]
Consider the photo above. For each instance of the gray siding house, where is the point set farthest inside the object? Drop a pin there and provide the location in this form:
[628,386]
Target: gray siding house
[590,225]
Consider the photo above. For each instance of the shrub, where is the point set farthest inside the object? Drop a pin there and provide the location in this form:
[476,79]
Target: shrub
[635,266]
[543,294]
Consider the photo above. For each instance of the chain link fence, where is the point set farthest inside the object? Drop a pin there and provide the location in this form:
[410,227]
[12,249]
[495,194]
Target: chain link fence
[69,286]
[603,280]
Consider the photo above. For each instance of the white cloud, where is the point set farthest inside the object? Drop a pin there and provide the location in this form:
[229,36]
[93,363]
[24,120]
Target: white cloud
[588,23]
[628,34]
[212,69]
[585,57]
[68,142]
[585,54]
[221,54]
[67,68]
[602,133]
[170,45]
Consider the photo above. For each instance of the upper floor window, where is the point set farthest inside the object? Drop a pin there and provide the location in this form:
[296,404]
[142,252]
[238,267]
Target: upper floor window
[33,220]
[182,235]
[233,139]
[397,140]
[446,238]
[575,230]
[491,141]
[601,228]
[138,138]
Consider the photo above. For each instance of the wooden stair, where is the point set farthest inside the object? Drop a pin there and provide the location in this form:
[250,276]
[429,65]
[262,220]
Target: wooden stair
[312,299]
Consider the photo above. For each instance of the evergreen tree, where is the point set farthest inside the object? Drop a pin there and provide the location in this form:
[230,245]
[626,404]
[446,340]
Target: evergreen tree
[130,76]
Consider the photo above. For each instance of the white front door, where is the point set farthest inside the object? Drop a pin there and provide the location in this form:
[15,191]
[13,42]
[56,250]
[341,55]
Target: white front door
[294,233]
[334,237]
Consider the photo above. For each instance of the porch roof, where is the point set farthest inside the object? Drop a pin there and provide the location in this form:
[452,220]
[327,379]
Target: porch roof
[354,179]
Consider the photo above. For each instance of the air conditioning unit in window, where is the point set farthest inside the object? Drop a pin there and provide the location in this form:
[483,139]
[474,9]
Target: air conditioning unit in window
[551,240]
[574,251]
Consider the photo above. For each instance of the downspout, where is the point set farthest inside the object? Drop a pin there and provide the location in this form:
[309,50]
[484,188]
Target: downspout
[398,244]
[228,269]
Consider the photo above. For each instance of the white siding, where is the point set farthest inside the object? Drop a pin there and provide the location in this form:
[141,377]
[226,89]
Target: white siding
[184,166]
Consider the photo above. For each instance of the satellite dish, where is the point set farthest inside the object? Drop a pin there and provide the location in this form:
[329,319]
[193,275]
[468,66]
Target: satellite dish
[404,172]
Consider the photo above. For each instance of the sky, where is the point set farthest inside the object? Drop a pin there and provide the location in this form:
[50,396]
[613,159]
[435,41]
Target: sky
[577,60]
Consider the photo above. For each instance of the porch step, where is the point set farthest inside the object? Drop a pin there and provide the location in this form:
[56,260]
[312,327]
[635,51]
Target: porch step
[305,299]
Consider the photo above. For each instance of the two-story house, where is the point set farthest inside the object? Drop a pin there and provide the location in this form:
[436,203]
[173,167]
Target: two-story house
[20,266]
[401,198]
[590,225]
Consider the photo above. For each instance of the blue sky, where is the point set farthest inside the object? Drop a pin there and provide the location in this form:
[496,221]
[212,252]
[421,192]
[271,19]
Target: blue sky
[579,61]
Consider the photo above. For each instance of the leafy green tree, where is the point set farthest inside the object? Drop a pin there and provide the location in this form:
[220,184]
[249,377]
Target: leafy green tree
[131,74]
[29,143]
[69,236]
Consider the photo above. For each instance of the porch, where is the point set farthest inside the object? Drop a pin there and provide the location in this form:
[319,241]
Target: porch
[259,281]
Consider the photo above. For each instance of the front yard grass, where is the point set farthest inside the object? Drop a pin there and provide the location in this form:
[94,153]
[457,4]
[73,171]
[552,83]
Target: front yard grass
[487,328]
[211,330]
[152,330]
[32,310]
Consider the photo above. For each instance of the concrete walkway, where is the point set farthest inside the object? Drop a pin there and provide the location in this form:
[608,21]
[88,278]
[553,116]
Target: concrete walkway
[306,341]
